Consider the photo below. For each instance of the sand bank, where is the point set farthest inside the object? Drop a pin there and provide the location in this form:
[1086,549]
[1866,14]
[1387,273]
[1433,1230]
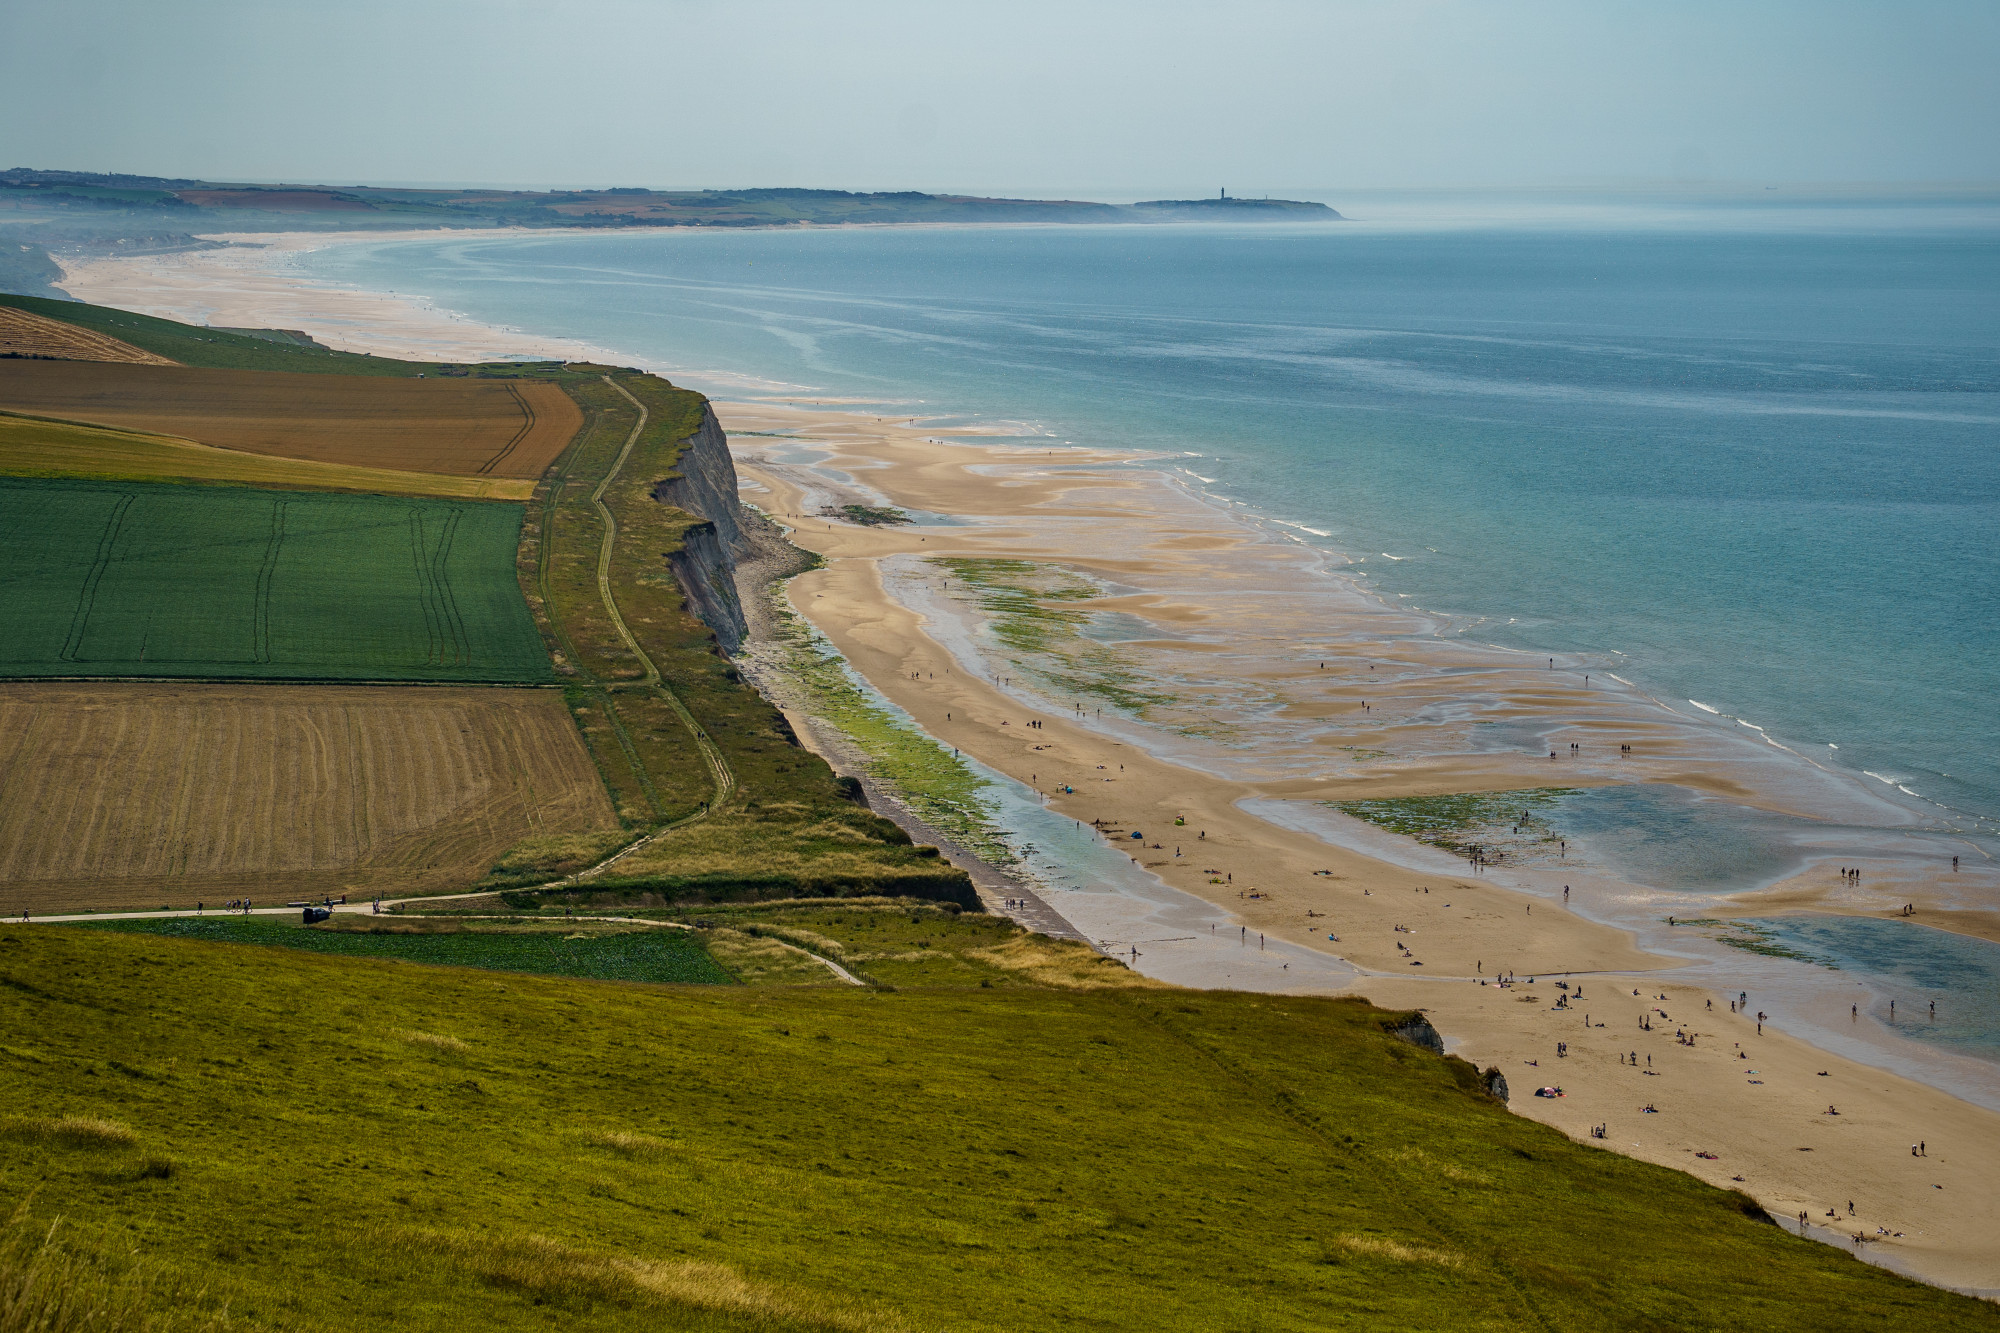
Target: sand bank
[1206,702]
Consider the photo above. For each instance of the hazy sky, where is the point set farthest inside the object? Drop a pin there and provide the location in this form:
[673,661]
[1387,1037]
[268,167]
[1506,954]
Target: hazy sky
[1095,99]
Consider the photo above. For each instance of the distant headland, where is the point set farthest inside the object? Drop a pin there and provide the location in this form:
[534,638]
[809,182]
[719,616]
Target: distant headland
[1223,208]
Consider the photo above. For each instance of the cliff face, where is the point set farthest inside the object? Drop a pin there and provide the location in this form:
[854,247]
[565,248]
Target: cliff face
[705,566]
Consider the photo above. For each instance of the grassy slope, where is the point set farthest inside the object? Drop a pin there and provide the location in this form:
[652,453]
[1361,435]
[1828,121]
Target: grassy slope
[333,1143]
[193,346]
[214,581]
[40,447]
[790,827]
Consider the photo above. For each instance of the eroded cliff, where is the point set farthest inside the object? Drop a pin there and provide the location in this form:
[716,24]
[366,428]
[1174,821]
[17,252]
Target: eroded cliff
[704,485]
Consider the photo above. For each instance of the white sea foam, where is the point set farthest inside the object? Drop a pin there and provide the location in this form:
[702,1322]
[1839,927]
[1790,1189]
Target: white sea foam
[1741,723]
[1705,708]
[1301,527]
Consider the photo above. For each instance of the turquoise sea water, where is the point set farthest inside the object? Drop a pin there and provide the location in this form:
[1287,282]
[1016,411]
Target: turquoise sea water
[1916,968]
[1751,464]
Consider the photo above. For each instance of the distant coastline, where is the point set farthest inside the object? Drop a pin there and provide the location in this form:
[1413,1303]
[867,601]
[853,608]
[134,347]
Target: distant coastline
[243,206]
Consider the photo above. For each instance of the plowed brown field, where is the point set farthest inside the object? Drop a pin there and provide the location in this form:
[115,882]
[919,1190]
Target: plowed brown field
[24,333]
[147,795]
[465,427]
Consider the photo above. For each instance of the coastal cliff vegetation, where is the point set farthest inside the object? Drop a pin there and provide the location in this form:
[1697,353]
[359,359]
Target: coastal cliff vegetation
[937,785]
[700,765]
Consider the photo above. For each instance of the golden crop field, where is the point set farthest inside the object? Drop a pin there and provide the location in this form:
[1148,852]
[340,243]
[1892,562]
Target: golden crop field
[143,795]
[462,426]
[26,334]
[38,447]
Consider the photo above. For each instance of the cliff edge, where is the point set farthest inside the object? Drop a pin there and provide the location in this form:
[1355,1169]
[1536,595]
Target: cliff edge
[704,485]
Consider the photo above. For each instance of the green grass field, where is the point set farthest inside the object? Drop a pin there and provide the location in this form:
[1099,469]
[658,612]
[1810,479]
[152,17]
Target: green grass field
[642,954]
[110,579]
[344,1144]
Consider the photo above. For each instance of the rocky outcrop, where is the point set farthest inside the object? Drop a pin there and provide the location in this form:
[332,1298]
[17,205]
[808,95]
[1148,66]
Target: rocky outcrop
[704,484]
[1417,1030]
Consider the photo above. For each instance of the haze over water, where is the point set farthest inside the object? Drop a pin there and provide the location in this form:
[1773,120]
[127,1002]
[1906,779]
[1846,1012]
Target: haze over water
[1745,459]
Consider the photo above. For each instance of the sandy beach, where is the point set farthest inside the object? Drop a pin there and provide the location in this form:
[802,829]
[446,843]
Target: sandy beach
[1258,686]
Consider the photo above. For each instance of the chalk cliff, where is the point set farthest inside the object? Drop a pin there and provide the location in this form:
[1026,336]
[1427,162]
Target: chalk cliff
[704,485]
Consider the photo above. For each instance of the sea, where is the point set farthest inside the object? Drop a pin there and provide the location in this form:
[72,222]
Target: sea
[1744,455]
